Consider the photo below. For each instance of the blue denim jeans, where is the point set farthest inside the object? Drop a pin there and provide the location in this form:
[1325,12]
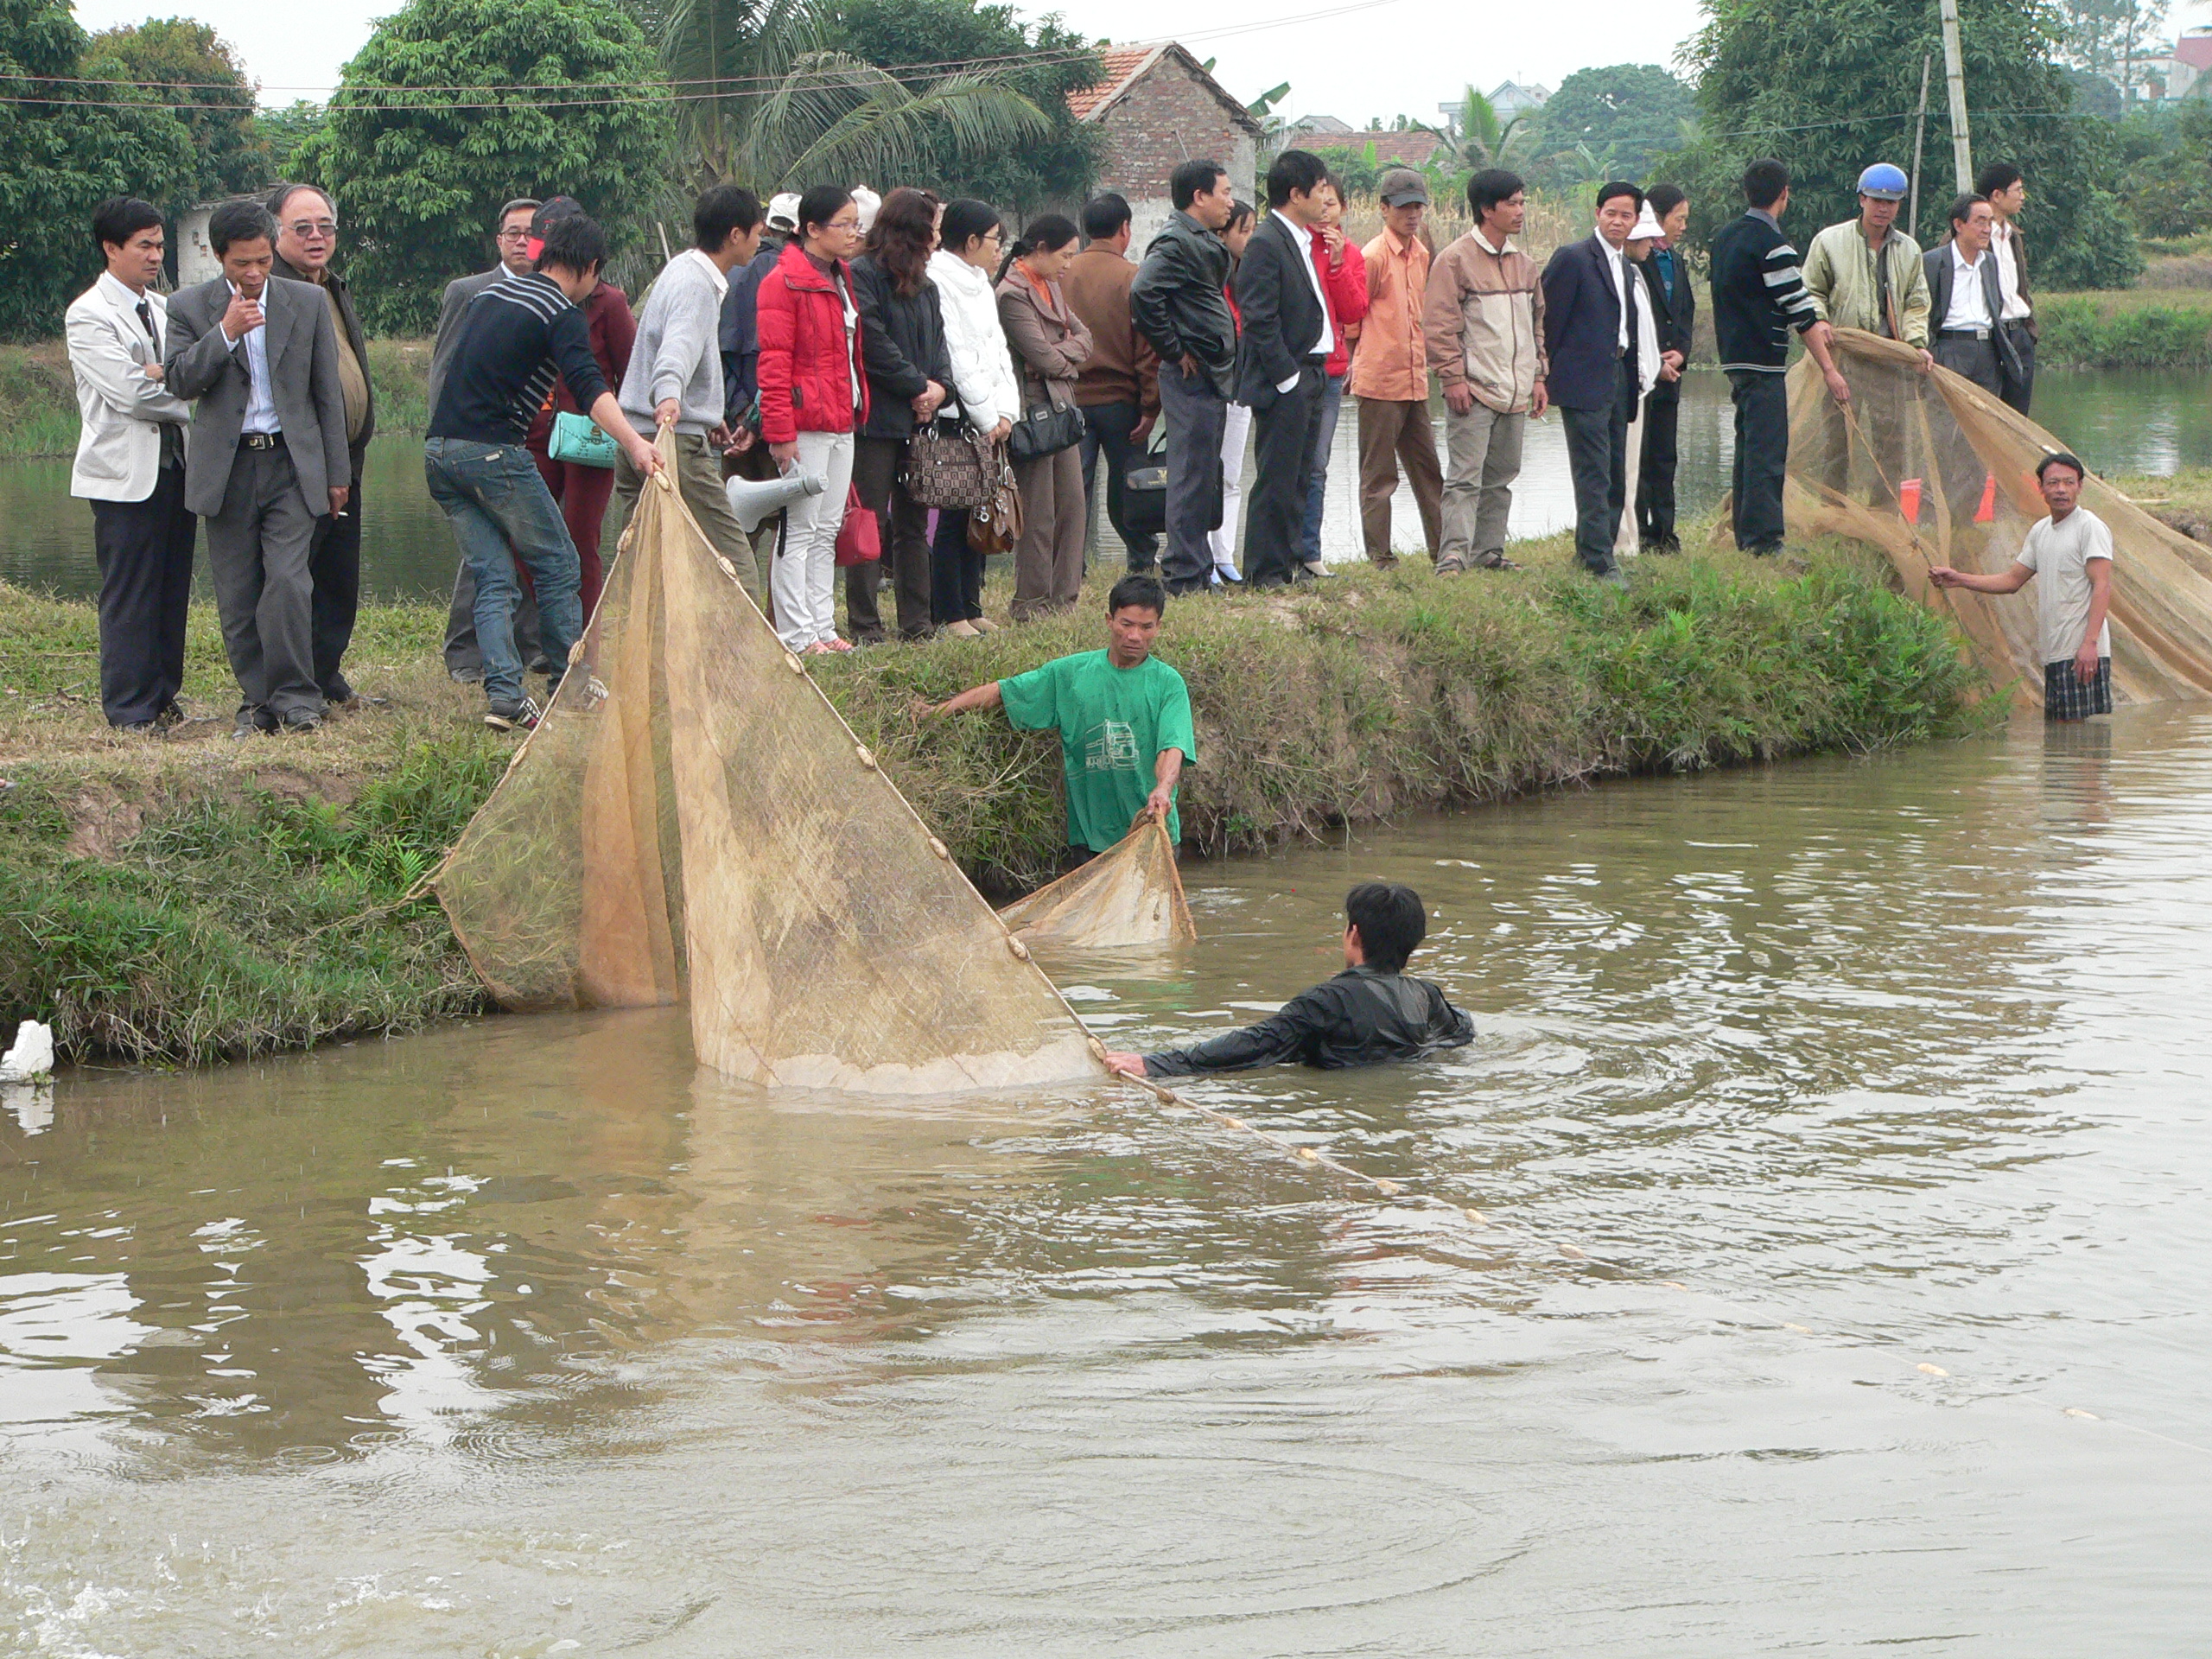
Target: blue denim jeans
[1324,437]
[502,514]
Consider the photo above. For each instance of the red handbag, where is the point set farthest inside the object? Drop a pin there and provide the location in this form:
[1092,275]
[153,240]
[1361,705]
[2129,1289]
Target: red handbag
[860,538]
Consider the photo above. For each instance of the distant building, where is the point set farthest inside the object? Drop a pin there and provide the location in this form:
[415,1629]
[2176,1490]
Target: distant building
[1311,130]
[1157,107]
[1509,99]
[2190,63]
[1411,145]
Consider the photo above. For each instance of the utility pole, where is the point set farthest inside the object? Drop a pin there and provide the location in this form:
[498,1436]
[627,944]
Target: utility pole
[1955,77]
[1919,136]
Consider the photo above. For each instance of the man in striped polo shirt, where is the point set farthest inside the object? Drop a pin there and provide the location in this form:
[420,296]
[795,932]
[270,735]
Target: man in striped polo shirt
[516,337]
[1759,296]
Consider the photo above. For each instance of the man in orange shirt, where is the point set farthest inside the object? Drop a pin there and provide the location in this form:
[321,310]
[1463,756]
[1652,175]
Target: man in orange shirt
[1390,372]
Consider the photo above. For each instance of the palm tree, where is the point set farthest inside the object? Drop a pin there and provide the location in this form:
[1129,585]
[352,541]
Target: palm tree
[1479,139]
[764,99]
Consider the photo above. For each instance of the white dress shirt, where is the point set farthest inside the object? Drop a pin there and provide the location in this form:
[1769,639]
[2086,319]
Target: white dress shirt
[1969,306]
[1620,287]
[2008,270]
[714,271]
[261,400]
[1304,238]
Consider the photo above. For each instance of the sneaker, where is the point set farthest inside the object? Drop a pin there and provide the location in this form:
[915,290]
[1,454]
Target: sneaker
[521,714]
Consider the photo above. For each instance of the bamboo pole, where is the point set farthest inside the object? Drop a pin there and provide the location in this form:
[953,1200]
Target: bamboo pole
[1919,139]
[1955,80]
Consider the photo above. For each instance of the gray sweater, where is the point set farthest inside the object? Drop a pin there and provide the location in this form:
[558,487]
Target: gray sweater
[677,352]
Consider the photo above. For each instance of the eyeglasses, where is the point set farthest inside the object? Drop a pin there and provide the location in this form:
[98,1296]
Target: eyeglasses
[304,228]
[522,235]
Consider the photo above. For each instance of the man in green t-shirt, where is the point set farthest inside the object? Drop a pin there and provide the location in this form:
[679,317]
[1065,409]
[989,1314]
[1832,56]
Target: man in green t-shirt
[1123,716]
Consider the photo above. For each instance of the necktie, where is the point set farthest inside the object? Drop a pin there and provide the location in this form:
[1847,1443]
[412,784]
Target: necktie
[146,316]
[172,440]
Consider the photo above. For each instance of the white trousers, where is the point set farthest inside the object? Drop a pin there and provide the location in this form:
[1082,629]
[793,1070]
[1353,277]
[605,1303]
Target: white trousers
[805,579]
[1626,540]
[1235,433]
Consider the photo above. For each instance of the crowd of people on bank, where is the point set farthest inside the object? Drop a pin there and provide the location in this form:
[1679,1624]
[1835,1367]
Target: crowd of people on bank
[945,389]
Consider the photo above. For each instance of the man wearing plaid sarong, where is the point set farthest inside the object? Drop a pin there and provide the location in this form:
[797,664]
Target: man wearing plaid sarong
[2072,551]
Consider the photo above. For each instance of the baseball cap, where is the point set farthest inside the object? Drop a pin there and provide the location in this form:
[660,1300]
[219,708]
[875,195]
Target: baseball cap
[783,211]
[1402,187]
[555,208]
[1884,182]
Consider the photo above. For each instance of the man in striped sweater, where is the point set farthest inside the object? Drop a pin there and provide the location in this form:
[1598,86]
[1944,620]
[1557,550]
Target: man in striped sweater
[1759,296]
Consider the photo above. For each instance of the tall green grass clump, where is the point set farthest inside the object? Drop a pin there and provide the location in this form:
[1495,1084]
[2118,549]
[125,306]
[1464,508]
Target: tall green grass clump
[2078,330]
[228,925]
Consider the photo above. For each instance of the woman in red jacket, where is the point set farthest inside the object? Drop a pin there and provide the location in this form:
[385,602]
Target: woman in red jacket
[813,398]
[1344,284]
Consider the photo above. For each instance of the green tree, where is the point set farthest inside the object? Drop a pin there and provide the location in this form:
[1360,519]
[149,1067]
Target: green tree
[496,99]
[771,98]
[284,133]
[1828,89]
[213,97]
[1620,117]
[1041,65]
[2169,178]
[2109,37]
[62,152]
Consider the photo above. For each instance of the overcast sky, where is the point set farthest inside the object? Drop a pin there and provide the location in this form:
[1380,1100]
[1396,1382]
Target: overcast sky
[1374,61]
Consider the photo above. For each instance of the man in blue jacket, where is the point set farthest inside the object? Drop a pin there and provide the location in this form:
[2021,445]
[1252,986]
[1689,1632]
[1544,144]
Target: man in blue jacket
[1590,339]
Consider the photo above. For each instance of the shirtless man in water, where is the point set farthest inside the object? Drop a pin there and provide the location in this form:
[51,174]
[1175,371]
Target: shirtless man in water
[1373,1011]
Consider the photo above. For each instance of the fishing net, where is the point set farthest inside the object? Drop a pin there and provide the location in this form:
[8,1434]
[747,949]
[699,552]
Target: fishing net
[1131,893]
[1933,470]
[691,821]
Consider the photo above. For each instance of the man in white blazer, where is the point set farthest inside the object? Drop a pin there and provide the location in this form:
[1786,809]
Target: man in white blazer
[130,467]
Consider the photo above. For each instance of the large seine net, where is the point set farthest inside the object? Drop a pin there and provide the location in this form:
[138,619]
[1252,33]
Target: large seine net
[1933,470]
[691,821]
[1130,895]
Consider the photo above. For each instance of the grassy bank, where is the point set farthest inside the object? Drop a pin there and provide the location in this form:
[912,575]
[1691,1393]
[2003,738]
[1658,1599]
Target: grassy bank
[195,897]
[38,395]
[2134,329]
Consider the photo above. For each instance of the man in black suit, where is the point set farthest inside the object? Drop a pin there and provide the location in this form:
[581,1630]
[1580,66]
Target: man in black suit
[1286,337]
[1967,303]
[1590,341]
[1673,310]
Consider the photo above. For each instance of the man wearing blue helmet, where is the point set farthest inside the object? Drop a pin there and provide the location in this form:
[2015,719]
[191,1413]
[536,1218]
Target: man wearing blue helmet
[1867,274]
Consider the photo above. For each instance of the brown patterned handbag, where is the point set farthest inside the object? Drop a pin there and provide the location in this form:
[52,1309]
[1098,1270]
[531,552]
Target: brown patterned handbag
[949,465]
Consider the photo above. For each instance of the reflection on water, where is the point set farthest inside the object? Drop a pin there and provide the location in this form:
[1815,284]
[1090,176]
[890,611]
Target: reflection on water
[2121,420]
[527,1333]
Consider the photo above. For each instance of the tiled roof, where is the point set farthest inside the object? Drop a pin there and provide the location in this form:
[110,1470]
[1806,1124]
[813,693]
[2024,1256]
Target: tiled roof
[2195,50]
[1122,64]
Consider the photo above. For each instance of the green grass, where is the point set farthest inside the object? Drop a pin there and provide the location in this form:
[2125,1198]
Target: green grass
[191,901]
[2138,328]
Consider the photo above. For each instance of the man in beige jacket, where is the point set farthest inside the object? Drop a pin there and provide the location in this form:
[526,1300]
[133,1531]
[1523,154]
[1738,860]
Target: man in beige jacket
[1485,324]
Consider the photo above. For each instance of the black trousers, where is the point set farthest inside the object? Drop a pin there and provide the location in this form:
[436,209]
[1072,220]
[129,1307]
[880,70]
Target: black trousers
[334,567]
[1283,464]
[1654,475]
[904,526]
[1762,457]
[144,550]
[955,571]
[1596,456]
[1108,430]
[2019,387]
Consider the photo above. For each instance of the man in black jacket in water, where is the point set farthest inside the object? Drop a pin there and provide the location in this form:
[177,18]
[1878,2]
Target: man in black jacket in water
[1370,1013]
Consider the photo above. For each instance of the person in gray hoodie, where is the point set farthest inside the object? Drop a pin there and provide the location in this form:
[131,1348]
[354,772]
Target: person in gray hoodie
[675,377]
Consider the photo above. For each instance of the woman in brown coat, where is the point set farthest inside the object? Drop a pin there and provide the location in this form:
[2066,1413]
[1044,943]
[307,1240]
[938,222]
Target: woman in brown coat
[1050,344]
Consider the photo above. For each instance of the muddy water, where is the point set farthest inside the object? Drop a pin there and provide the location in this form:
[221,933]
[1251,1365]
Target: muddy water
[523,1338]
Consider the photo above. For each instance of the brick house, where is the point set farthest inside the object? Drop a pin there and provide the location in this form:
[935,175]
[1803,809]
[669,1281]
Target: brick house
[1156,107]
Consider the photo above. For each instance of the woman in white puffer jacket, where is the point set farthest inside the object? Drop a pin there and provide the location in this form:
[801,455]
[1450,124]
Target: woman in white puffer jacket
[984,384]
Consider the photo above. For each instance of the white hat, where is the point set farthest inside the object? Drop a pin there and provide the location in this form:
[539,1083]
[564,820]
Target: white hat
[783,211]
[869,203]
[1648,228]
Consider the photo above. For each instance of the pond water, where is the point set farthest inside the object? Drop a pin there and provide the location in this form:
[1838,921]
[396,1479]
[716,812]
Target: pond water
[525,1337]
[2131,421]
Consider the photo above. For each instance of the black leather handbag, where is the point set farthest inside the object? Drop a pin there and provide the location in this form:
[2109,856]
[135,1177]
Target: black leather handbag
[1144,488]
[1045,430]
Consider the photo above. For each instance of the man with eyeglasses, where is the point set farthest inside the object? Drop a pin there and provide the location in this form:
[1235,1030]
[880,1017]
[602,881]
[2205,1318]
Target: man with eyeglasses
[307,235]
[464,661]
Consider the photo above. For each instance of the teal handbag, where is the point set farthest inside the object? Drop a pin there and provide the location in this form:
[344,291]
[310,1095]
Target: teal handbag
[577,439]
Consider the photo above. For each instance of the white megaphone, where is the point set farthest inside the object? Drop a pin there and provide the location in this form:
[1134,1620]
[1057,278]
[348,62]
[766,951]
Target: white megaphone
[755,504]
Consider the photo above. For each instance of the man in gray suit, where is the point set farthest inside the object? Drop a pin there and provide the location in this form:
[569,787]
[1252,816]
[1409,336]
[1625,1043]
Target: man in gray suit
[267,457]
[463,660]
